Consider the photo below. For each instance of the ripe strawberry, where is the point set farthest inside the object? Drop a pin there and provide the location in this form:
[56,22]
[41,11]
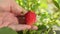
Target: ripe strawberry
[30,17]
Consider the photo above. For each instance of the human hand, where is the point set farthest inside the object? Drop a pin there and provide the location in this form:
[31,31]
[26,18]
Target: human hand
[9,9]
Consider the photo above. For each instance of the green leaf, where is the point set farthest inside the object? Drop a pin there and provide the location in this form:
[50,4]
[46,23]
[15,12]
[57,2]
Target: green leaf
[7,30]
[20,32]
[56,4]
[58,1]
[28,32]
[38,32]
[43,4]
[42,27]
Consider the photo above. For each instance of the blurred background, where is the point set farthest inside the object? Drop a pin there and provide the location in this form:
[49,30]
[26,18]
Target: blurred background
[47,15]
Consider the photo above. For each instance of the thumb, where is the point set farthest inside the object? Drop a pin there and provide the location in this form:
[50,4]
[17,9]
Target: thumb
[19,27]
[17,10]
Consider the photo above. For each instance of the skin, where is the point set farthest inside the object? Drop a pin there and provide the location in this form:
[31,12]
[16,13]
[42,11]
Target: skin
[9,10]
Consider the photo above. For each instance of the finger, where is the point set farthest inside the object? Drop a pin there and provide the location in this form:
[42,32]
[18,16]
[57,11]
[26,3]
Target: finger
[4,24]
[19,27]
[17,10]
[0,21]
[34,27]
[9,19]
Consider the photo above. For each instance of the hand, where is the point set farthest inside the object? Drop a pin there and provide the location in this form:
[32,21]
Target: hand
[8,12]
[11,6]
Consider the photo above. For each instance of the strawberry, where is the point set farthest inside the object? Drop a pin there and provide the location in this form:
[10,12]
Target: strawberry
[30,17]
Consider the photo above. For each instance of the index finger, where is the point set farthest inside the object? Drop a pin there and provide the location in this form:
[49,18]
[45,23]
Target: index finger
[17,10]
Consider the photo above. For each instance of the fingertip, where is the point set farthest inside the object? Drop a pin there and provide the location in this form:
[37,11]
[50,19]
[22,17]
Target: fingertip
[23,12]
[24,27]
[34,28]
[28,26]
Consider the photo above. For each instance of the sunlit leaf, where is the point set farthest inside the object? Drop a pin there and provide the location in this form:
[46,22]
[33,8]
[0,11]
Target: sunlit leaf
[56,4]
[43,4]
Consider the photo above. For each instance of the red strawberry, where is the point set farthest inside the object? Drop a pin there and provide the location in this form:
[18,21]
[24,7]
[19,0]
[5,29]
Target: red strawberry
[30,17]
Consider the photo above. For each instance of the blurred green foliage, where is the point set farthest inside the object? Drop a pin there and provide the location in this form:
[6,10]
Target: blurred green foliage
[48,13]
